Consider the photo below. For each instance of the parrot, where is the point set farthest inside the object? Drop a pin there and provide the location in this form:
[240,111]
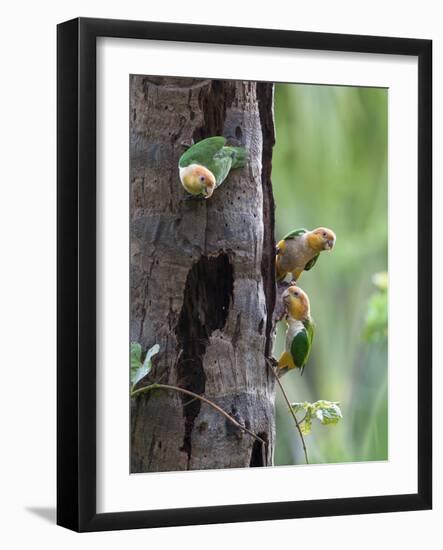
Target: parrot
[300,331]
[206,165]
[299,250]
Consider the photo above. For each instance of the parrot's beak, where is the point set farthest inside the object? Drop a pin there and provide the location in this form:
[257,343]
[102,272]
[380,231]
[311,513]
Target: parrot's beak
[330,244]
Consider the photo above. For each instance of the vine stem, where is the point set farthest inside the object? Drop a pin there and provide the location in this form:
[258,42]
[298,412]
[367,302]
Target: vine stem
[146,389]
[290,408]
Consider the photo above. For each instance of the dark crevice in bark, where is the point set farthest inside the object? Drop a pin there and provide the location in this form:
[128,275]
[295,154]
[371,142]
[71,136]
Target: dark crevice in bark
[258,455]
[213,101]
[206,301]
[265,93]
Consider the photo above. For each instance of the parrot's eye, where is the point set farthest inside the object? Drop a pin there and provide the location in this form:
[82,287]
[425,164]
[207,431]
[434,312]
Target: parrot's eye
[325,234]
[202,178]
[296,293]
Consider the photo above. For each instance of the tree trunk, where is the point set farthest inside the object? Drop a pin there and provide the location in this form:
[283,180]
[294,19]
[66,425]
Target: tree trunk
[202,276]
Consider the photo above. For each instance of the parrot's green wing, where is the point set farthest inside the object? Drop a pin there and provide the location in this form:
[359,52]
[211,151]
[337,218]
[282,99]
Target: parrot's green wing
[221,166]
[302,344]
[300,348]
[310,329]
[295,233]
[311,263]
[239,155]
[225,160]
[203,152]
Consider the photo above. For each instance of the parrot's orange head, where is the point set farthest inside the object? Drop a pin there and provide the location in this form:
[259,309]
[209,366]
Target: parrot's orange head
[198,180]
[296,302]
[321,239]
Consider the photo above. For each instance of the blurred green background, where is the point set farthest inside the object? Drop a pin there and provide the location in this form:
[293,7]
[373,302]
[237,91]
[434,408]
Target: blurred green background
[330,169]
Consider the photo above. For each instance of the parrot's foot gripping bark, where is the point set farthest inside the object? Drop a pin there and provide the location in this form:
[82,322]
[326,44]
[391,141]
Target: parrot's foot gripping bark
[274,365]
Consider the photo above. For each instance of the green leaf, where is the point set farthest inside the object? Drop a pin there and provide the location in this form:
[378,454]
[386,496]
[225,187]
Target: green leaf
[138,369]
[306,424]
[327,412]
[297,407]
[136,352]
[151,352]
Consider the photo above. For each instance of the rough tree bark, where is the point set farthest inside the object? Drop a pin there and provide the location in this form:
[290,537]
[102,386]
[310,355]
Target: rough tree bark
[202,276]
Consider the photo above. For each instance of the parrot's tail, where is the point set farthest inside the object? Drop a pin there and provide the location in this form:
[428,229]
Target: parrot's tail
[240,156]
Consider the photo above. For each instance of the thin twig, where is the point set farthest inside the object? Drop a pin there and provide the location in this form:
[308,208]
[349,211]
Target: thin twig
[290,409]
[205,400]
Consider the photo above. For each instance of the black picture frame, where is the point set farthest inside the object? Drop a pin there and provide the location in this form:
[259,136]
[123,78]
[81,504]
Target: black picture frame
[76,265]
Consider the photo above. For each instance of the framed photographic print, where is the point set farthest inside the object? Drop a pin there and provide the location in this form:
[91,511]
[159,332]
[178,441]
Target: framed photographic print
[244,274]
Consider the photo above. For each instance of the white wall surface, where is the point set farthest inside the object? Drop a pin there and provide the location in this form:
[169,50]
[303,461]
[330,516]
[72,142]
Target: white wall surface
[27,290]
